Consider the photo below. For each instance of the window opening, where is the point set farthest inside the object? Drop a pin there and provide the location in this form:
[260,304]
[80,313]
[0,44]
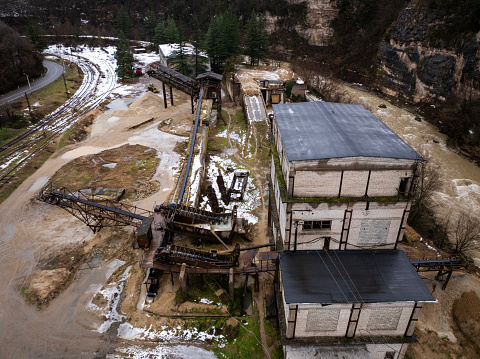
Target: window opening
[315,225]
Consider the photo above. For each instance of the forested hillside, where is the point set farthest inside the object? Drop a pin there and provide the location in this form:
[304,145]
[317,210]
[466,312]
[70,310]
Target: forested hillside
[18,58]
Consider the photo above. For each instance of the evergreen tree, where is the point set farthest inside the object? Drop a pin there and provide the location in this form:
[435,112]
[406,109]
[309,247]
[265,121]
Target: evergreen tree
[159,37]
[180,56]
[35,34]
[150,23]
[223,39]
[123,23]
[257,39]
[200,61]
[125,58]
[228,36]
[171,32]
[212,43]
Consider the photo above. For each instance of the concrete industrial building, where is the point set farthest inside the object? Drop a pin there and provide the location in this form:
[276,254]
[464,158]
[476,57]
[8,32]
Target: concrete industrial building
[341,178]
[341,181]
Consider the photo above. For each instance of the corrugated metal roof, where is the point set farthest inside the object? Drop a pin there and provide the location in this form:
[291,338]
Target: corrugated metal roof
[320,130]
[351,276]
[210,74]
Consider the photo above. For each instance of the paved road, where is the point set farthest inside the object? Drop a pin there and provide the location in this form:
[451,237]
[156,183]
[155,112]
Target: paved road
[54,71]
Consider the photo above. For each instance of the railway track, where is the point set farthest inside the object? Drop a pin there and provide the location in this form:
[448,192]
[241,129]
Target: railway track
[95,87]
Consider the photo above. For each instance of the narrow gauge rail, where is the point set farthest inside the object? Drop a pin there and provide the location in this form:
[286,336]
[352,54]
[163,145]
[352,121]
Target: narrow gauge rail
[59,123]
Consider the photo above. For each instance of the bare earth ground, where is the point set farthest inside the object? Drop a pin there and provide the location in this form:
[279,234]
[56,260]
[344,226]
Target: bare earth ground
[448,328]
[32,232]
[249,77]
[94,272]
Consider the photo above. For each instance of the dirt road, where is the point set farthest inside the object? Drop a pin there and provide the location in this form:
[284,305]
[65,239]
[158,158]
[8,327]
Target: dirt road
[31,230]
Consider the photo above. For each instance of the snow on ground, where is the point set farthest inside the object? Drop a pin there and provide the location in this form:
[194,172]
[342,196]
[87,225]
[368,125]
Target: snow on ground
[146,58]
[104,60]
[255,108]
[111,294]
[194,180]
[127,331]
[163,352]
[169,49]
[251,197]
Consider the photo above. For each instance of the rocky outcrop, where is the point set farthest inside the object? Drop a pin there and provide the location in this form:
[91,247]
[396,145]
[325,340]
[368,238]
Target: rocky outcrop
[418,64]
[316,25]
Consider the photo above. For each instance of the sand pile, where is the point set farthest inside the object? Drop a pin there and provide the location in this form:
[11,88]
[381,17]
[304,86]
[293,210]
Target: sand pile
[148,104]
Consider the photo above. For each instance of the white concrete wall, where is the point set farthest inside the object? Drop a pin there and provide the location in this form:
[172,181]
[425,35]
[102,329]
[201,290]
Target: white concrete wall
[390,319]
[280,206]
[382,183]
[379,224]
[376,319]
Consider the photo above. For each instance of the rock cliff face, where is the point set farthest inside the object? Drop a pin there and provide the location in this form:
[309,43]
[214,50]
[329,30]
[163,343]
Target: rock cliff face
[417,63]
[316,26]
[316,29]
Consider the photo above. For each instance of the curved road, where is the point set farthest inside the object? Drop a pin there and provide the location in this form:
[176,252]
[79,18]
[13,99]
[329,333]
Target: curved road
[54,71]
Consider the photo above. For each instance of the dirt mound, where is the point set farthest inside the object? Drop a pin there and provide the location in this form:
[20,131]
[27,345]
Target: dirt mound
[145,189]
[148,104]
[45,284]
[128,166]
[466,313]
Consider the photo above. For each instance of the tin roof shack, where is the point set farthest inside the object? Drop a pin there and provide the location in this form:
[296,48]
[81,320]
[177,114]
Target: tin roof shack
[273,91]
[362,304]
[341,179]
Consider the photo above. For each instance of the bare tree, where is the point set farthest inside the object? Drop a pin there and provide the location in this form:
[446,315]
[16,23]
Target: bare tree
[466,233]
[318,77]
[441,231]
[428,182]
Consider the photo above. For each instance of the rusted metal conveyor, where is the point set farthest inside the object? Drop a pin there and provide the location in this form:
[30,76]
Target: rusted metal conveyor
[96,215]
[442,266]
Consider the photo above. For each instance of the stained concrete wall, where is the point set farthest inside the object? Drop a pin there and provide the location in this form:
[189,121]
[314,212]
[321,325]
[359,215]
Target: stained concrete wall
[380,224]
[348,183]
[376,319]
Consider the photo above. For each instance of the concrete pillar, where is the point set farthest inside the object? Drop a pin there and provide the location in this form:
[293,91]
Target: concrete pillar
[257,281]
[231,283]
[183,278]
[164,95]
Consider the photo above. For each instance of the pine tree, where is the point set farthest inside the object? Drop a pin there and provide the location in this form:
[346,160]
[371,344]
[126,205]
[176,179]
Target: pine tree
[200,61]
[124,23]
[150,23]
[228,36]
[257,39]
[180,57]
[223,39]
[171,32]
[212,43]
[125,58]
[159,37]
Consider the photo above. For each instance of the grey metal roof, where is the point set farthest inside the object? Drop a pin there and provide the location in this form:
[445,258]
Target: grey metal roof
[320,130]
[327,352]
[350,276]
[210,74]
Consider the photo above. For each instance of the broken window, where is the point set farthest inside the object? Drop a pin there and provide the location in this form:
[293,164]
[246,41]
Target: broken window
[316,225]
[403,188]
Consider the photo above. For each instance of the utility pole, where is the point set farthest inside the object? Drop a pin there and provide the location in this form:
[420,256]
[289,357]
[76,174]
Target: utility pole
[28,103]
[65,83]
[28,82]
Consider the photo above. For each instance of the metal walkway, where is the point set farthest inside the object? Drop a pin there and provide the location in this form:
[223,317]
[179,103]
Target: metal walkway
[173,78]
[94,214]
[442,266]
